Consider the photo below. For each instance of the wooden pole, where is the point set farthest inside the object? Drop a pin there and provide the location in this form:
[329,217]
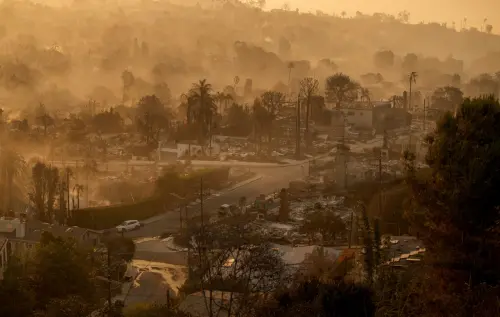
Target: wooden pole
[380,184]
[297,140]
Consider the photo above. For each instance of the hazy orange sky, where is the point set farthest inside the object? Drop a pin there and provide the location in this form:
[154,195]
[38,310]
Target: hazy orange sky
[421,10]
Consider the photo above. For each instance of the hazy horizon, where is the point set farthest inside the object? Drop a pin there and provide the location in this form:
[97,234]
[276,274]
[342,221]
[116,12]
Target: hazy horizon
[425,10]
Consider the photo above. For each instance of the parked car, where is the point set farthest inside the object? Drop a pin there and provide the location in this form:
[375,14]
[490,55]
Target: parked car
[128,226]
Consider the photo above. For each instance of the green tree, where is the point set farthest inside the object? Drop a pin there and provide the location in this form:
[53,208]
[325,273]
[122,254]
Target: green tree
[340,89]
[459,208]
[57,279]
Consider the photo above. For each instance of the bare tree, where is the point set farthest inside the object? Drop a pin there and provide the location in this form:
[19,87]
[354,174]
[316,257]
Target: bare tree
[272,101]
[308,88]
[233,267]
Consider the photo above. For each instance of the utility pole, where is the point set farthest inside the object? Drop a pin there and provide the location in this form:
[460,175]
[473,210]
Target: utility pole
[297,140]
[67,188]
[350,231]
[413,79]
[201,207]
[344,152]
[158,154]
[108,255]
[380,184]
[88,187]
[345,169]
[425,99]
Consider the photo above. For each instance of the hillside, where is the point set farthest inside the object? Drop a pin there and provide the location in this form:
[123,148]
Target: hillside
[62,56]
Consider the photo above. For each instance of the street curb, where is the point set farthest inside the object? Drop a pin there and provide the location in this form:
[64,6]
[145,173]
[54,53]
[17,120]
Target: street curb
[246,182]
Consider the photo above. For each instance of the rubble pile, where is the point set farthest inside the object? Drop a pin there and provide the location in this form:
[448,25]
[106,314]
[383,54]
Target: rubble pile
[299,209]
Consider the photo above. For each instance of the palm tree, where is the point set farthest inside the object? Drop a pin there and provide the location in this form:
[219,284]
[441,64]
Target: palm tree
[201,97]
[12,165]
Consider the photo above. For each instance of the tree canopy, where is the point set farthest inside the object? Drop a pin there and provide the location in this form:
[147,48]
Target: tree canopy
[340,88]
[57,279]
[456,210]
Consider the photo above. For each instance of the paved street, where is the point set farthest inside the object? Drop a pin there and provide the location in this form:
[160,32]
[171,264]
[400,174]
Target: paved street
[272,179]
[120,166]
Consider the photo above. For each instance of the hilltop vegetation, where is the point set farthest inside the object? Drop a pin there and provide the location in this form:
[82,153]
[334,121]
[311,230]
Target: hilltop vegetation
[65,56]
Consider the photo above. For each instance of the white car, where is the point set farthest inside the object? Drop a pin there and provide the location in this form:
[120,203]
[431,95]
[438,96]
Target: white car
[128,225]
